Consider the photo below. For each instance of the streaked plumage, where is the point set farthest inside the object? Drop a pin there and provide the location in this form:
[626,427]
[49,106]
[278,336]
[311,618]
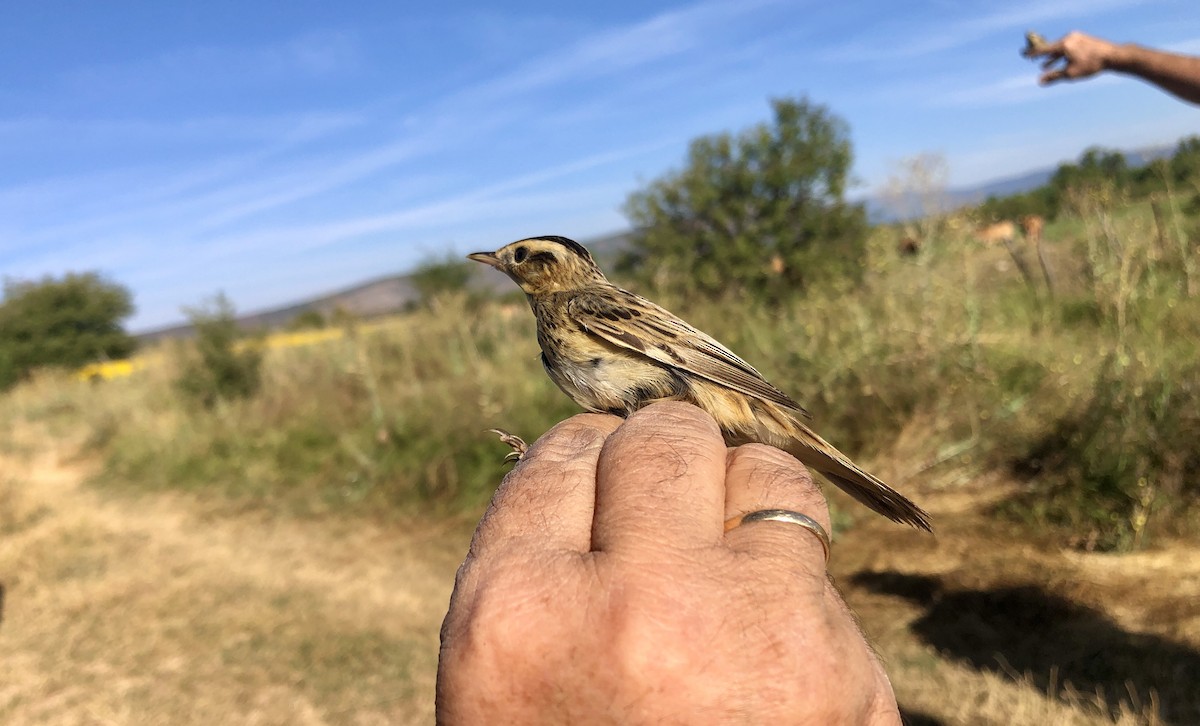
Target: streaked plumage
[613,351]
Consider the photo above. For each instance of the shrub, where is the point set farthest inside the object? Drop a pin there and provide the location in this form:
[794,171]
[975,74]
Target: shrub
[445,276]
[310,319]
[66,323]
[762,214]
[1125,454]
[215,367]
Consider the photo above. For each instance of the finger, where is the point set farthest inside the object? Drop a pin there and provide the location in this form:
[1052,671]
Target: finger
[1057,48]
[1052,76]
[661,482]
[763,477]
[1051,60]
[549,496]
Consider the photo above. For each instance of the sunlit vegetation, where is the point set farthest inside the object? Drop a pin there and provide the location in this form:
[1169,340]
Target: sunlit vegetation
[1044,426]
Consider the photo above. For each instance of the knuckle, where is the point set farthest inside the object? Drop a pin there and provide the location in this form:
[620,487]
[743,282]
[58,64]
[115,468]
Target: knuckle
[672,434]
[679,416]
[567,439]
[766,454]
[773,469]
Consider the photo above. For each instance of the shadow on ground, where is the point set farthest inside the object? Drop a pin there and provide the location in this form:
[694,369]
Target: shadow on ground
[1023,629]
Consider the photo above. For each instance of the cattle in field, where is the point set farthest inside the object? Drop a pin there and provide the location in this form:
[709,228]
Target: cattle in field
[908,246]
[1005,233]
[1031,226]
[997,233]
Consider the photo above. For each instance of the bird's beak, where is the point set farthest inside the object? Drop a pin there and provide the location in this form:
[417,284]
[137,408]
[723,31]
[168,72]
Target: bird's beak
[488,258]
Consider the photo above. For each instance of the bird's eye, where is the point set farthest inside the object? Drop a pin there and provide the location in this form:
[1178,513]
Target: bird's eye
[520,254]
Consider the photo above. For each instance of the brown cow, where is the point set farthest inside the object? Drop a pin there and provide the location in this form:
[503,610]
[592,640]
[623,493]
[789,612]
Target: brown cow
[1031,225]
[908,246]
[997,233]
[1005,233]
[777,265]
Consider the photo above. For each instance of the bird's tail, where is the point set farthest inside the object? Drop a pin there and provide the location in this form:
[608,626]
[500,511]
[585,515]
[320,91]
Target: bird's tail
[880,497]
[818,454]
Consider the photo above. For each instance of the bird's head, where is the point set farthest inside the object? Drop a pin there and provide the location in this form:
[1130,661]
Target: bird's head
[544,264]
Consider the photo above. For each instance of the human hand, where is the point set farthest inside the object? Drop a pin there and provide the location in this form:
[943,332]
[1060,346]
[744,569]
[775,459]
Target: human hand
[601,588]
[1085,56]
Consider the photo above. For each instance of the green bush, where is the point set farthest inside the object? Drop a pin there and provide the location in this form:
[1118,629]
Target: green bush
[1099,168]
[310,319]
[1122,458]
[64,323]
[215,367]
[759,215]
[448,275]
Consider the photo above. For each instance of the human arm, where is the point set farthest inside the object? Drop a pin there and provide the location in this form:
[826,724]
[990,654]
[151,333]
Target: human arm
[1085,56]
[600,587]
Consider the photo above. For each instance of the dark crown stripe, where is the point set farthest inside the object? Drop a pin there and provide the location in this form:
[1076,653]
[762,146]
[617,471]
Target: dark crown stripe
[570,244]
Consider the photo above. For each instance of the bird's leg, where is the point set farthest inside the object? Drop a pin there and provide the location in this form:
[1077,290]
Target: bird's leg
[519,447]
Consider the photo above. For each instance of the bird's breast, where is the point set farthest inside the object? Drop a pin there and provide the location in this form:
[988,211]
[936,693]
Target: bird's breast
[602,379]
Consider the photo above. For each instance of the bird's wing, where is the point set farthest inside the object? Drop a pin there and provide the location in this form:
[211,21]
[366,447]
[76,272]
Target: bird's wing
[635,324]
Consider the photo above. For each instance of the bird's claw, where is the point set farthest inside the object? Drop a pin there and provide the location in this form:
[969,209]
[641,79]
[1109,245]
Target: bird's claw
[519,447]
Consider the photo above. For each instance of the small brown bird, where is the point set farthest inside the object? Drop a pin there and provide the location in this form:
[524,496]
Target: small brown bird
[614,352]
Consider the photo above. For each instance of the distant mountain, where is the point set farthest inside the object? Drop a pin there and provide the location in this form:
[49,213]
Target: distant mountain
[881,210]
[368,299]
[378,297]
[1141,157]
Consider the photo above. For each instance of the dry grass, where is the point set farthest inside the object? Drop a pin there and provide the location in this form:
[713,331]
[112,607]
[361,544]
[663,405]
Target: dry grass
[163,609]
[152,610]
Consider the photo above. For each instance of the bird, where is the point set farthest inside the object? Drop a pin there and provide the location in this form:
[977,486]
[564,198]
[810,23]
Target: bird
[613,351]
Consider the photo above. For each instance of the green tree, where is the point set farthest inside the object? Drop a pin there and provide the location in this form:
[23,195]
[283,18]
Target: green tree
[1185,162]
[310,319]
[761,213]
[65,322]
[436,277]
[218,364]
[1043,201]
[1097,167]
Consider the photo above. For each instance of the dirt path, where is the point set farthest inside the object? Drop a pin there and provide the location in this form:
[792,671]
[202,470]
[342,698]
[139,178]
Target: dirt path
[149,610]
[158,609]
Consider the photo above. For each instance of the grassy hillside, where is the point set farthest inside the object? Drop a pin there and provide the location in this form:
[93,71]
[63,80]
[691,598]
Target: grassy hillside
[287,558]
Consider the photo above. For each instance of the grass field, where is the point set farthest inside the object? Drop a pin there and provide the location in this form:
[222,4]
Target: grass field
[287,558]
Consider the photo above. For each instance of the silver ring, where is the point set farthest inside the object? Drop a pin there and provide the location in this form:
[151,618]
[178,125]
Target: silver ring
[783,515]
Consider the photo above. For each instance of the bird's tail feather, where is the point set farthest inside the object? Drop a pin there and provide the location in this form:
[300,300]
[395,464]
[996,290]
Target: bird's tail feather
[815,452]
[881,498]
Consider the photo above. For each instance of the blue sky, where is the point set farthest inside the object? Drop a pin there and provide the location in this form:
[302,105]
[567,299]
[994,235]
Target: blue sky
[279,150]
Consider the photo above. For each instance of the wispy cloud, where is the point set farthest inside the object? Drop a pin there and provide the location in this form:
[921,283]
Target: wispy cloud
[923,38]
[1007,91]
[200,209]
[622,49]
[139,195]
[318,55]
[478,203]
[1190,46]
[24,135]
